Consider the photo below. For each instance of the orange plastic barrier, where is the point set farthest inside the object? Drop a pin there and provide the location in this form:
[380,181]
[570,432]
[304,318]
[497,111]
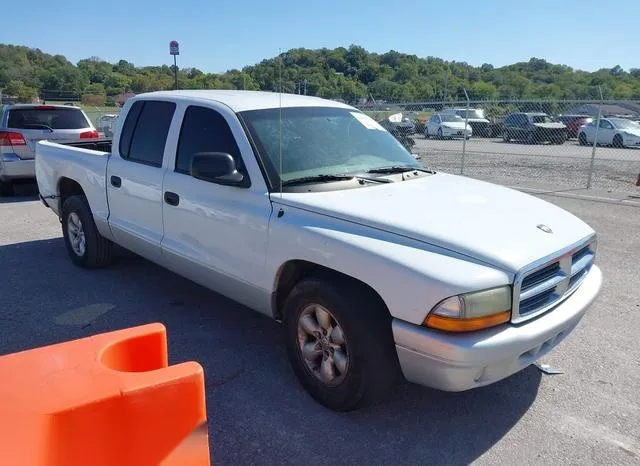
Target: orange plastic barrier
[110,399]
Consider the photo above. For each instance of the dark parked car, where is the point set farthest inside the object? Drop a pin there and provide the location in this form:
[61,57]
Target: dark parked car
[533,128]
[573,123]
[398,124]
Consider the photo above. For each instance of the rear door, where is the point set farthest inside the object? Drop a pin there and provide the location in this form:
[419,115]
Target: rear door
[134,177]
[53,123]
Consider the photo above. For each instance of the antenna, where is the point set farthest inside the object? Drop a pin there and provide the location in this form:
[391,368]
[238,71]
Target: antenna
[280,119]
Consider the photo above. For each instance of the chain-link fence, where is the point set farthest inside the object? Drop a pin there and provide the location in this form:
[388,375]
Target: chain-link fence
[543,144]
[539,144]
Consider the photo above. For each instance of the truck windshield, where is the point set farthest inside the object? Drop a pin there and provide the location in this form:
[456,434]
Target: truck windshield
[321,141]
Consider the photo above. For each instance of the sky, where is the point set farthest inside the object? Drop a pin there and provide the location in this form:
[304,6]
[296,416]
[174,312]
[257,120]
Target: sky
[216,35]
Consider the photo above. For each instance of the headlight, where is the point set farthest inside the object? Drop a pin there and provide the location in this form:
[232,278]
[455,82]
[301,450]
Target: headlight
[472,311]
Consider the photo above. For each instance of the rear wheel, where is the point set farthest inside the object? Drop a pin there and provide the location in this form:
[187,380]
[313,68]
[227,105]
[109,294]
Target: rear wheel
[505,135]
[440,136]
[339,342]
[85,245]
[617,141]
[559,140]
[582,139]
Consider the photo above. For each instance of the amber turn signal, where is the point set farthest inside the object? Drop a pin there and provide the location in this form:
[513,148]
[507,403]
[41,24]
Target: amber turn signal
[449,324]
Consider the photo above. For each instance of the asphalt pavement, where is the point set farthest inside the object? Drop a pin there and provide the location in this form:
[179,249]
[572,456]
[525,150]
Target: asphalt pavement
[258,414]
[565,166]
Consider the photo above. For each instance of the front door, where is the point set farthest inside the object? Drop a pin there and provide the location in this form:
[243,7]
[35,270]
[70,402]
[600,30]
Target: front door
[216,234]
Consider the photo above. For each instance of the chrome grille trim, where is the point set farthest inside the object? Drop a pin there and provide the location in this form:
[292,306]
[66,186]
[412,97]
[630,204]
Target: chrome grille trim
[545,283]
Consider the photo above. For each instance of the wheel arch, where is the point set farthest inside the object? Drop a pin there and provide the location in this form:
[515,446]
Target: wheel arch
[68,187]
[292,271]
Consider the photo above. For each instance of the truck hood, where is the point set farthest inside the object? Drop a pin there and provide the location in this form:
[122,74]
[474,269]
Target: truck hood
[490,223]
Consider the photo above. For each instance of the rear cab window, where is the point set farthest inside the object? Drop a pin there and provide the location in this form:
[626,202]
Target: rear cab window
[45,117]
[145,131]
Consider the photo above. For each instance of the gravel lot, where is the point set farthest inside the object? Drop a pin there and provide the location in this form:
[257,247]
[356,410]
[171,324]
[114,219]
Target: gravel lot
[259,415]
[557,167]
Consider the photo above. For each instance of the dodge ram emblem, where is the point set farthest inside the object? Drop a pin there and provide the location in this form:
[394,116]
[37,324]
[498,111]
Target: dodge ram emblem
[545,228]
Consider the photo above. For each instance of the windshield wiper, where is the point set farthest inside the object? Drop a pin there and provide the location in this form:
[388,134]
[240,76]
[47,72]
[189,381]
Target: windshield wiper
[316,179]
[39,125]
[396,169]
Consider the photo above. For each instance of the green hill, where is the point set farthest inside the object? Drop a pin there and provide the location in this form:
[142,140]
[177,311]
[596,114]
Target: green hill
[347,73]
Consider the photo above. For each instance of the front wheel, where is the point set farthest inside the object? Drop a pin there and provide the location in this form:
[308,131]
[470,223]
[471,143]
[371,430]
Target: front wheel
[505,136]
[440,136]
[617,141]
[85,245]
[339,343]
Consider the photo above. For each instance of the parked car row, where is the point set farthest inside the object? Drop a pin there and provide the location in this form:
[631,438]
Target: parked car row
[532,127]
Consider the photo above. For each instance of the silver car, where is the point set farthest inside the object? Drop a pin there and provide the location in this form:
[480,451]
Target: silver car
[23,125]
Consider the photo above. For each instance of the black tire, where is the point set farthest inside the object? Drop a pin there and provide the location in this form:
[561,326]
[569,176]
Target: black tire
[531,138]
[582,139]
[373,366]
[440,136]
[426,133]
[617,142]
[6,189]
[98,249]
[505,136]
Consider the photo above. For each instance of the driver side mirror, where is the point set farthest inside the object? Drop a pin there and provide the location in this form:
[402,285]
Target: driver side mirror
[217,167]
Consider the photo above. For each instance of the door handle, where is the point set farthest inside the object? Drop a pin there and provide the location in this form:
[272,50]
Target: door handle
[116,181]
[171,198]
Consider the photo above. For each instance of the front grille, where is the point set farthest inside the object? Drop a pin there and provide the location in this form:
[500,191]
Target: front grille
[544,286]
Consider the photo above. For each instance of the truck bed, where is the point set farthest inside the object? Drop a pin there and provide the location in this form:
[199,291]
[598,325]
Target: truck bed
[101,145]
[84,163]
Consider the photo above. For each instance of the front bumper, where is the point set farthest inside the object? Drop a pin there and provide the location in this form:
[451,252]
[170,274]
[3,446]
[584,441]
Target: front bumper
[458,362]
[455,132]
[17,169]
[631,142]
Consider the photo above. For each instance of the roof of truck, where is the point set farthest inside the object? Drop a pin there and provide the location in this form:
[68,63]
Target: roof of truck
[240,101]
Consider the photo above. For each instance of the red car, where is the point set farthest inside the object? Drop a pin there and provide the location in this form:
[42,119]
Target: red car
[573,123]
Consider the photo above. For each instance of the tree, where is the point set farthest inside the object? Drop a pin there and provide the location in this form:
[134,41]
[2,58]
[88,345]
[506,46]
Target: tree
[345,73]
[21,91]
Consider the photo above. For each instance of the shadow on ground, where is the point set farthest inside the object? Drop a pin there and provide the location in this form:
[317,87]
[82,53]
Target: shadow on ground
[23,192]
[257,411]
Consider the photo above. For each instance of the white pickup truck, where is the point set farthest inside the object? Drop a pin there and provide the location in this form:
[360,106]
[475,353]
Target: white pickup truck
[308,211]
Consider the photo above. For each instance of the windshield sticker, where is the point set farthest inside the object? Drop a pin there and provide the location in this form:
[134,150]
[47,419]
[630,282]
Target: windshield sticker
[367,121]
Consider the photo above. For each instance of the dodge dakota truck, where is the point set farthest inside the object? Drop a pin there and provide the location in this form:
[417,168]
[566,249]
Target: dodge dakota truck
[308,211]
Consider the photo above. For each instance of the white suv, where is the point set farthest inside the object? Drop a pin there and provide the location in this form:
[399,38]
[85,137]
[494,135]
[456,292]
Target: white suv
[23,125]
